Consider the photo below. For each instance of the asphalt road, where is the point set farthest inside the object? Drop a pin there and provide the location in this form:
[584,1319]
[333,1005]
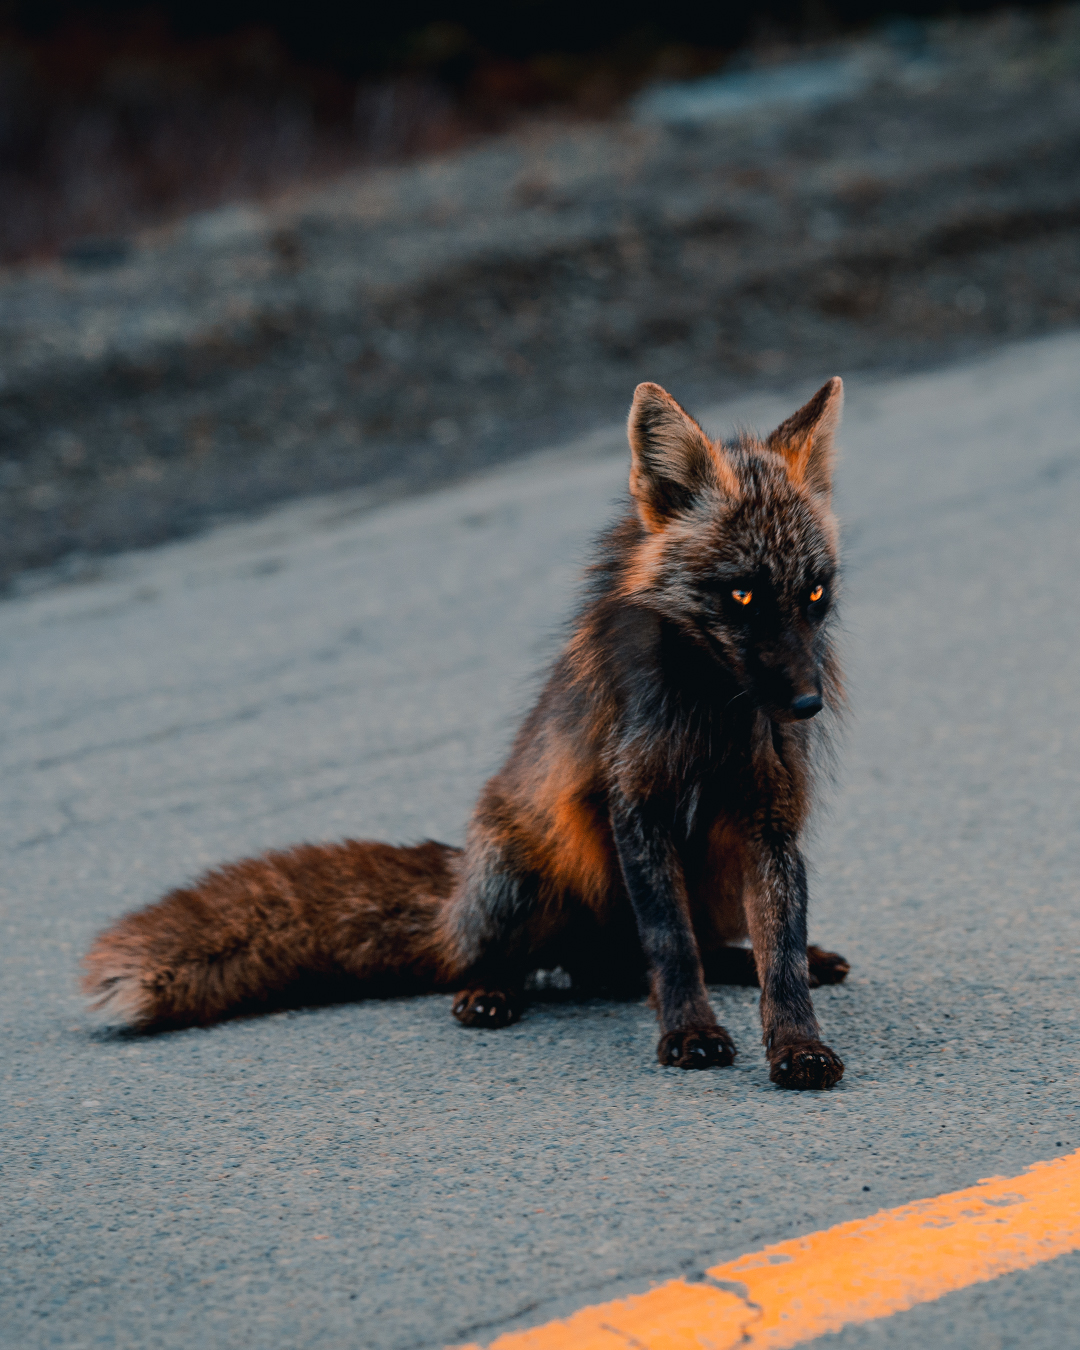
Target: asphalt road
[373,1175]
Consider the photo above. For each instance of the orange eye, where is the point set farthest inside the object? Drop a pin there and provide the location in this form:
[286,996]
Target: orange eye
[743,597]
[816,594]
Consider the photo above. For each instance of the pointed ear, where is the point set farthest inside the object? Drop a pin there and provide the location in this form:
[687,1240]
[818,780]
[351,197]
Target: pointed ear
[671,457]
[807,439]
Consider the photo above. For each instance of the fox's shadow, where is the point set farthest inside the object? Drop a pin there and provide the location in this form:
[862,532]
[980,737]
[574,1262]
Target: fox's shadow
[311,991]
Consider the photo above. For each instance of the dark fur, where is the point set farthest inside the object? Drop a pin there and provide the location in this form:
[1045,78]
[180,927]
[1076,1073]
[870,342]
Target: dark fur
[647,819]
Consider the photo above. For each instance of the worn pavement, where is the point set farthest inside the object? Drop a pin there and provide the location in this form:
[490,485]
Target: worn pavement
[373,1175]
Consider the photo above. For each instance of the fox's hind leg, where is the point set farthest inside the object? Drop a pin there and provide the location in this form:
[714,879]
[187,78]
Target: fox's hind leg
[487,926]
[826,967]
[736,965]
[487,1007]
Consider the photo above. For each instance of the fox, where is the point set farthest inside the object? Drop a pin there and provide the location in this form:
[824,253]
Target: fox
[644,831]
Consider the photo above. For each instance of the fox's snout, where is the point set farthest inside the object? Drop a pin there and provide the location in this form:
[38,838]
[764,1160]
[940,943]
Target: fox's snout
[788,681]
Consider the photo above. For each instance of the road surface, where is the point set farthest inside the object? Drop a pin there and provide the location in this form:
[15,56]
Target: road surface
[374,1175]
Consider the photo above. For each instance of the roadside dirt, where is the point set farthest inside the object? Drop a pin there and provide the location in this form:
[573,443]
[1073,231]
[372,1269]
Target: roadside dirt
[411,325]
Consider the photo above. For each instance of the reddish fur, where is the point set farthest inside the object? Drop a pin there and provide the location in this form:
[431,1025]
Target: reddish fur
[249,930]
[570,840]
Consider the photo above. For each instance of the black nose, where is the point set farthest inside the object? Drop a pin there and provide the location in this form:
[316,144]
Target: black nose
[806,705]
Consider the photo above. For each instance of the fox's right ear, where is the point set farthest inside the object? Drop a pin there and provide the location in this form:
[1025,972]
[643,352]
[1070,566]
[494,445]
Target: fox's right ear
[671,457]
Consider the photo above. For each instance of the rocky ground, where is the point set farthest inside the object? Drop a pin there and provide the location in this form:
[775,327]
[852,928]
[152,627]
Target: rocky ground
[407,326]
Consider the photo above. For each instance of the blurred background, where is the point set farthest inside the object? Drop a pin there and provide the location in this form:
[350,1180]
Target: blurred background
[254,250]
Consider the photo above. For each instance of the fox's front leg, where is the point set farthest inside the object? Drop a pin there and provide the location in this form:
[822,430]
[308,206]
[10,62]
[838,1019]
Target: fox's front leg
[776,913]
[691,1037]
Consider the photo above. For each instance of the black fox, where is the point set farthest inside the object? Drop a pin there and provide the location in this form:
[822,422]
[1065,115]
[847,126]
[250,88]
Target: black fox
[647,820]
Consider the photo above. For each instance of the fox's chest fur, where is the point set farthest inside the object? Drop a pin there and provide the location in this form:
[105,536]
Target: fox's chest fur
[706,761]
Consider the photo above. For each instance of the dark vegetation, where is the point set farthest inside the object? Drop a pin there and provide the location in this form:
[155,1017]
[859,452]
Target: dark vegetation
[355,313]
[118,115]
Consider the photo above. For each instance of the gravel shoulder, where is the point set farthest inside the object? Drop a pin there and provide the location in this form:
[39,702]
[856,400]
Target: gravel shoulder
[408,327]
[374,1175]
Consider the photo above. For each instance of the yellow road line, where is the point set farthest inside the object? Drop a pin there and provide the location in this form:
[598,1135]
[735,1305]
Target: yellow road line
[855,1272]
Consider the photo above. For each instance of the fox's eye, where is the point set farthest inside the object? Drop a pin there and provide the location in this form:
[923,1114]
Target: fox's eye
[816,594]
[743,597]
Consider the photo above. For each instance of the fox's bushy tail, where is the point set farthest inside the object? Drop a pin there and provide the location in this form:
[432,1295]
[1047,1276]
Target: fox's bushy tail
[245,932]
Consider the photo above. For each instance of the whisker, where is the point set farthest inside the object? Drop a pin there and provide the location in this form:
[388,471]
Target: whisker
[741,694]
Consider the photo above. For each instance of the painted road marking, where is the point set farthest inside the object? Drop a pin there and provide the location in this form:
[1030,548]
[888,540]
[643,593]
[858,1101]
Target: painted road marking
[855,1272]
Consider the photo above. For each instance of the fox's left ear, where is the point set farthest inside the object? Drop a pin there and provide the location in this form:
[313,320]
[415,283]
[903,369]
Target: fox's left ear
[807,439]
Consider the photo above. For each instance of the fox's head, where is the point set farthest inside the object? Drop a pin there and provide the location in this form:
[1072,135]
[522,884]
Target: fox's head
[739,543]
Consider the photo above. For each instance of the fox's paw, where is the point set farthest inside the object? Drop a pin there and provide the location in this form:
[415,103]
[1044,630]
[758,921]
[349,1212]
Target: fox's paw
[826,967]
[805,1064]
[696,1048]
[486,1008]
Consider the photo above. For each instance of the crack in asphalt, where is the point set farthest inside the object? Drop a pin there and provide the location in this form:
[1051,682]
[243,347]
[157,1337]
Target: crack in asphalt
[182,808]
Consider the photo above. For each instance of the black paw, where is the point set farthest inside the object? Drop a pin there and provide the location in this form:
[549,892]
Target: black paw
[696,1048]
[825,967]
[486,1008]
[805,1064]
